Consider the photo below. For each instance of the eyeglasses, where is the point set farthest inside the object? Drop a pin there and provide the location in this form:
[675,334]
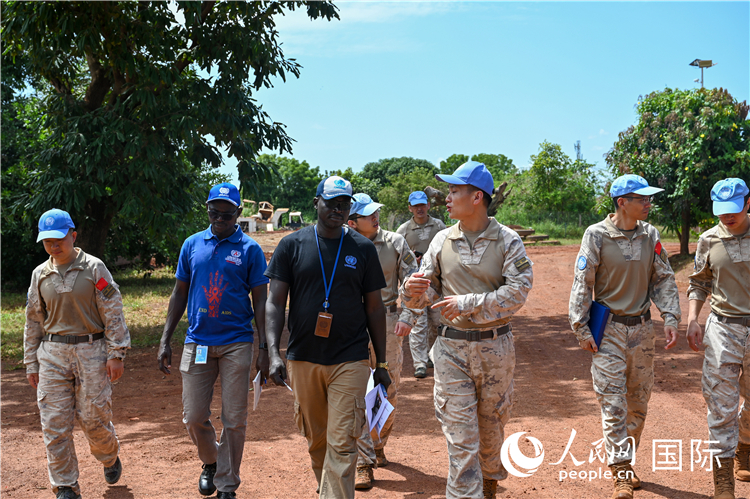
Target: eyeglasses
[642,200]
[221,215]
[337,205]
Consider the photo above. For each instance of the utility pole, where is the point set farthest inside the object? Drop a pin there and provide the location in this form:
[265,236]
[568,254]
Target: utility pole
[702,63]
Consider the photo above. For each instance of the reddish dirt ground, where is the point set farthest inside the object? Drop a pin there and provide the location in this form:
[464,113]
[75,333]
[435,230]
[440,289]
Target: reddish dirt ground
[553,396]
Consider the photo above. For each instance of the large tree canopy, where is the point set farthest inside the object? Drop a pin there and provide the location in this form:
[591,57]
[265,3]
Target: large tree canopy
[140,96]
[685,141]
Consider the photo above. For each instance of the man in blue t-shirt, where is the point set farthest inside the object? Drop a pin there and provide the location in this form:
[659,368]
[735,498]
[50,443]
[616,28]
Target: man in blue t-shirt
[217,270]
[333,278]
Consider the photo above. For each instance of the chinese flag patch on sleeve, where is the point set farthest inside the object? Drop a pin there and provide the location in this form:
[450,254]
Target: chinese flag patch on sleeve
[106,288]
[659,250]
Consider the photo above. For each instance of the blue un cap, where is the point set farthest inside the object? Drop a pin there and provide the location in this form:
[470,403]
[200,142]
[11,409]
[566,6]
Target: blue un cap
[470,173]
[632,184]
[54,224]
[728,196]
[417,197]
[333,187]
[364,205]
[224,192]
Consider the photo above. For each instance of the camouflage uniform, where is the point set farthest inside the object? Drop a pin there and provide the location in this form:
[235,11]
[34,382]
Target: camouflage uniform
[398,263]
[423,334]
[73,380]
[625,275]
[474,379]
[722,268]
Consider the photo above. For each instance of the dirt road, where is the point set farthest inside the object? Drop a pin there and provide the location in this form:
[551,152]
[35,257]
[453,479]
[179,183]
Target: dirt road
[554,396]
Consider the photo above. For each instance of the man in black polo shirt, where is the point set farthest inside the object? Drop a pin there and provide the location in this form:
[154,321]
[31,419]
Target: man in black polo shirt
[333,278]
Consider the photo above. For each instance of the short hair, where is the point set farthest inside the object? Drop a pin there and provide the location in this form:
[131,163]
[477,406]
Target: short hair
[486,198]
[614,200]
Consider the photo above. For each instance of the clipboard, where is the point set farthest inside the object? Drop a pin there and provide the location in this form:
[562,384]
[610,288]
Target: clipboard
[598,318]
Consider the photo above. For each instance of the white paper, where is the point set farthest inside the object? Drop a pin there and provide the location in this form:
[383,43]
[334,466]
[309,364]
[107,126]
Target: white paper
[377,408]
[256,390]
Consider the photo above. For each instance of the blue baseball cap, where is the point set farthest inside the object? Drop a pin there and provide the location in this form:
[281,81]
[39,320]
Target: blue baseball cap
[418,197]
[54,224]
[728,196]
[470,173]
[364,205]
[224,192]
[632,184]
[333,187]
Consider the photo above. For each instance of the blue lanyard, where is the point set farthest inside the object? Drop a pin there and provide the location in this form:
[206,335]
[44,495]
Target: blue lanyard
[328,285]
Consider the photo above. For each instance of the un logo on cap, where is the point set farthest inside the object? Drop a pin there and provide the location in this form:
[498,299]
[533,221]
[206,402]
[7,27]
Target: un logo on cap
[725,193]
[224,190]
[339,183]
[50,221]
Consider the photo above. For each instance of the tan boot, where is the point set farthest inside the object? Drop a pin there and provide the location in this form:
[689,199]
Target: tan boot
[380,457]
[489,488]
[724,479]
[623,485]
[742,463]
[364,477]
[635,480]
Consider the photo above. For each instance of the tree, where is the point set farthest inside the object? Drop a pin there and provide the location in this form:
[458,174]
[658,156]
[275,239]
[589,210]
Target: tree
[452,162]
[500,166]
[139,96]
[359,182]
[558,183]
[395,196]
[685,141]
[295,185]
[382,171]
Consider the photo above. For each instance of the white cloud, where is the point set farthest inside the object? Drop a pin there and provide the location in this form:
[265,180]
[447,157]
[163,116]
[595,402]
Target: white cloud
[603,132]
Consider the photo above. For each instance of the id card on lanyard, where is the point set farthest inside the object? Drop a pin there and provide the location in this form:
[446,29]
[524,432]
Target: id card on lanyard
[325,320]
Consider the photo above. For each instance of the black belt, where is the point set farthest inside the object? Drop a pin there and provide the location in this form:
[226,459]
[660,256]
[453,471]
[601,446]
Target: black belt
[745,321]
[632,321]
[86,338]
[472,335]
[391,308]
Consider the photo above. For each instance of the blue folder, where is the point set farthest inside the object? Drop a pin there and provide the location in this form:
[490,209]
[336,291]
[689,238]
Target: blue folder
[598,316]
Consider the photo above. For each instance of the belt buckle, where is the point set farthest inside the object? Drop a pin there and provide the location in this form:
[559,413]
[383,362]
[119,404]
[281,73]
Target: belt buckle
[91,339]
[473,335]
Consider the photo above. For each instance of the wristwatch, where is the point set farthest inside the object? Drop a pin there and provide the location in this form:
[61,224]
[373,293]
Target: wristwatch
[382,365]
[263,346]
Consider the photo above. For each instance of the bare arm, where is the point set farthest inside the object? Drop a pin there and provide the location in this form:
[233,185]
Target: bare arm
[177,305]
[259,295]
[375,312]
[275,316]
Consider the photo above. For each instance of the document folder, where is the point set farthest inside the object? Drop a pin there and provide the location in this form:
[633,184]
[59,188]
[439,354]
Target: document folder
[598,316]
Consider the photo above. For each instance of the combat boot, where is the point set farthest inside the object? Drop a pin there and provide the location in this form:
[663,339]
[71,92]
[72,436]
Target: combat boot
[724,479]
[364,477]
[489,488]
[634,479]
[742,463]
[621,477]
[380,458]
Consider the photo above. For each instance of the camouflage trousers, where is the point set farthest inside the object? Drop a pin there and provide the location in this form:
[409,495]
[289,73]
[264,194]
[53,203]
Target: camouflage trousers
[473,399]
[395,357]
[423,336]
[73,384]
[623,375]
[725,366]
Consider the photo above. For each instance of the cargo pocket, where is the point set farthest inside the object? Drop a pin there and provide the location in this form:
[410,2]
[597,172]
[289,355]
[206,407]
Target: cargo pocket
[40,396]
[359,417]
[299,418]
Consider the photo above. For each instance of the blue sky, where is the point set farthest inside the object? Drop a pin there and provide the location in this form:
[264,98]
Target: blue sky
[430,79]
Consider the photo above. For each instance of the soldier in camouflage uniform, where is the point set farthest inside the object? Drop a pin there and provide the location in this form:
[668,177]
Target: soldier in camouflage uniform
[418,232]
[722,268]
[623,265]
[481,268]
[397,262]
[75,340]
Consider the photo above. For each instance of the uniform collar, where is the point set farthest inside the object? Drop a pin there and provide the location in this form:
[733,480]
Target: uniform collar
[234,238]
[492,232]
[615,232]
[414,225]
[723,232]
[379,237]
[77,264]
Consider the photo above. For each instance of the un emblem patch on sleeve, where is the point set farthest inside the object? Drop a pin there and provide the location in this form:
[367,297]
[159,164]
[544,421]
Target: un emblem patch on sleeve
[581,262]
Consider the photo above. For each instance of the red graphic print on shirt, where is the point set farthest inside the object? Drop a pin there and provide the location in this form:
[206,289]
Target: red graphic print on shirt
[214,293]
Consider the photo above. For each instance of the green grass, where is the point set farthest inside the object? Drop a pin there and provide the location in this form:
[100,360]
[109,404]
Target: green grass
[145,297]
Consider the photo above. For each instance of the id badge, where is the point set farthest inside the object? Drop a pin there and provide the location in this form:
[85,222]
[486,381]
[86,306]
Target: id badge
[201,354]
[323,326]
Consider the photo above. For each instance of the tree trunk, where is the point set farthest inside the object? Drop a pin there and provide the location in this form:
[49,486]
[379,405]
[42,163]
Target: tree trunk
[93,225]
[685,234]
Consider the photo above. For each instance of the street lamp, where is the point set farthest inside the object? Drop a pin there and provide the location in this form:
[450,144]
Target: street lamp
[702,63]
